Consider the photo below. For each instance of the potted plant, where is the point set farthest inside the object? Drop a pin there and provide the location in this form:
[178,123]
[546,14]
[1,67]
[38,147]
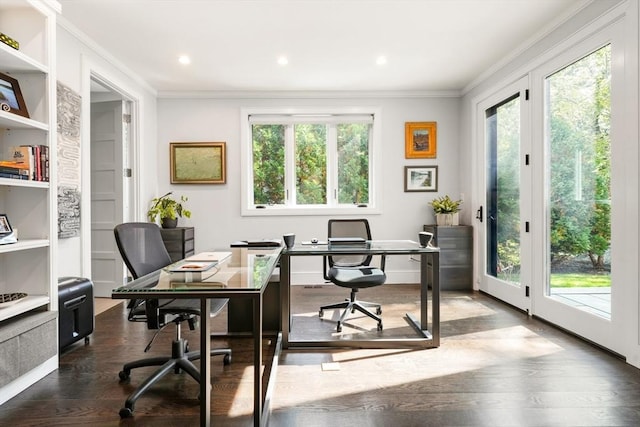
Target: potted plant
[167,210]
[446,210]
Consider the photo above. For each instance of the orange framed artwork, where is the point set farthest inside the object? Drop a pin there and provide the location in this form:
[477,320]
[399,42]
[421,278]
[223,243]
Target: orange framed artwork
[420,140]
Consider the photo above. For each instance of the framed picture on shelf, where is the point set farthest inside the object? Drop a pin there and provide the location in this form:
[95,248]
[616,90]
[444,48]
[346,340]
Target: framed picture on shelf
[198,162]
[420,140]
[11,99]
[420,178]
[5,227]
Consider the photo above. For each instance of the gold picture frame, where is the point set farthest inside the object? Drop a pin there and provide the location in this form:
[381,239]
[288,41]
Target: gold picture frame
[198,162]
[420,140]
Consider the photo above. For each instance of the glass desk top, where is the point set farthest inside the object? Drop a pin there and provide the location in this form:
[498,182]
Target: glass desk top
[370,247]
[244,270]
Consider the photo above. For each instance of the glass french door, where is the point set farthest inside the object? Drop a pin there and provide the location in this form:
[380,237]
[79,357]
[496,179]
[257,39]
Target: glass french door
[579,202]
[505,266]
[557,223]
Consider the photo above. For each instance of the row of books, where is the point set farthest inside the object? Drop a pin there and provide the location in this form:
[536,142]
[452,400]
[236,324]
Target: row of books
[30,162]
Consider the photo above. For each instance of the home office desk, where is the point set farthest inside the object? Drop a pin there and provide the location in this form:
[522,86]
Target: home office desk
[245,274]
[429,277]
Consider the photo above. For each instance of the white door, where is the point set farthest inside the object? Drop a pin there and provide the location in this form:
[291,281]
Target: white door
[503,229]
[582,206]
[109,132]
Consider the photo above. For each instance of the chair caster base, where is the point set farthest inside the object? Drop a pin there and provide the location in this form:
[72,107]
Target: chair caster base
[380,326]
[124,375]
[226,361]
[126,413]
[339,327]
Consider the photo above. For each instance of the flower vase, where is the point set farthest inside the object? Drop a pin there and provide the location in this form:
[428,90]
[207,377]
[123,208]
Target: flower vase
[447,219]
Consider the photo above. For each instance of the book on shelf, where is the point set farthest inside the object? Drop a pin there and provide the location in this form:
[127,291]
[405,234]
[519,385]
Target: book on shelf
[13,175]
[13,170]
[34,159]
[24,154]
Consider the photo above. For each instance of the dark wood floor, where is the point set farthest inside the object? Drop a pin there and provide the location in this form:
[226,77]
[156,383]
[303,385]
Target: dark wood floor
[495,367]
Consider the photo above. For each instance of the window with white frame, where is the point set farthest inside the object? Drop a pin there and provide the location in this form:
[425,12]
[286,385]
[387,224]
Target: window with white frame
[308,162]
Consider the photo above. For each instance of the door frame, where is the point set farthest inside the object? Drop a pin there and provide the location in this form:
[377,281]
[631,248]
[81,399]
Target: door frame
[92,71]
[514,295]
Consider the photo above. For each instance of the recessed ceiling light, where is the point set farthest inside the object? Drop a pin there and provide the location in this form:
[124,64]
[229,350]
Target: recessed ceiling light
[184,60]
[283,60]
[381,60]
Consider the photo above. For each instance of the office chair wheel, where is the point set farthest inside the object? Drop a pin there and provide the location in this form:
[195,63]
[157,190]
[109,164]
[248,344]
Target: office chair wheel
[226,361]
[379,311]
[126,413]
[321,313]
[380,326]
[339,328]
[124,375]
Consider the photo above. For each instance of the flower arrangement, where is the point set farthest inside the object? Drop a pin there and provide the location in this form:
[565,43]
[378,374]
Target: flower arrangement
[445,204]
[167,210]
[446,210]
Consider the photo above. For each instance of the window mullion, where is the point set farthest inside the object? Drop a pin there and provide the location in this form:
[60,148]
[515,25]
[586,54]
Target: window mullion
[289,166]
[332,165]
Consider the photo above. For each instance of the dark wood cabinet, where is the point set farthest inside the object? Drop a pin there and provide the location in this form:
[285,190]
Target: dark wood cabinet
[456,255]
[179,242]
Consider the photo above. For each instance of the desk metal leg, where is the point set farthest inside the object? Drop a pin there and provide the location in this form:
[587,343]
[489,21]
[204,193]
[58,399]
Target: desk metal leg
[205,362]
[435,299]
[257,360]
[285,298]
[422,327]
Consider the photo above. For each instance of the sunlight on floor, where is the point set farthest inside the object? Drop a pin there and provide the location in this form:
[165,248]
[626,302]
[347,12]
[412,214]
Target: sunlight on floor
[464,353]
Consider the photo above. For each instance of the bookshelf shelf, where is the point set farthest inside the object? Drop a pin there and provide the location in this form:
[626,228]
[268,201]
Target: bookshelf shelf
[15,61]
[22,245]
[9,182]
[29,303]
[13,121]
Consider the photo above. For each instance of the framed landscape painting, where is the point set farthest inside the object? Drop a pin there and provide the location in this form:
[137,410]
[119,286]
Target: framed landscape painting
[198,162]
[420,140]
[420,178]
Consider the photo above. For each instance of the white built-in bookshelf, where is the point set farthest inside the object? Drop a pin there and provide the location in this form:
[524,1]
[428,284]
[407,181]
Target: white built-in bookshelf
[28,327]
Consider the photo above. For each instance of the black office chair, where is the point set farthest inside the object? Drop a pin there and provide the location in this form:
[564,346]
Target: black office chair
[143,251]
[353,271]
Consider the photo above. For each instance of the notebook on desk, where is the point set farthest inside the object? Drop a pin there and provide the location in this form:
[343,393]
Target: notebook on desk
[257,243]
[192,266]
[209,257]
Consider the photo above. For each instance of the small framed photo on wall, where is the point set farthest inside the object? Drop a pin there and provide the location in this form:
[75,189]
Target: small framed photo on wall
[420,140]
[420,178]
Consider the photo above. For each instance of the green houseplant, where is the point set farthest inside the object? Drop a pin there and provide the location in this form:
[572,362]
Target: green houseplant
[446,210]
[167,210]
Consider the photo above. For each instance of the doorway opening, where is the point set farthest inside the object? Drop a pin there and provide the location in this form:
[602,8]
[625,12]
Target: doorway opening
[111,181]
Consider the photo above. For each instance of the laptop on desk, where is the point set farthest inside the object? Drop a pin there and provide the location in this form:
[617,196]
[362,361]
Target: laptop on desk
[347,241]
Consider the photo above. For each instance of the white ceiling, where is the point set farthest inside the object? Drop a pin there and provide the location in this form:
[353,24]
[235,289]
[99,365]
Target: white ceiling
[331,45]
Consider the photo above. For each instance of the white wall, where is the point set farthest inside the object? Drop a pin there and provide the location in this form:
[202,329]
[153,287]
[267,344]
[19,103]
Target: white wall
[216,208]
[76,59]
